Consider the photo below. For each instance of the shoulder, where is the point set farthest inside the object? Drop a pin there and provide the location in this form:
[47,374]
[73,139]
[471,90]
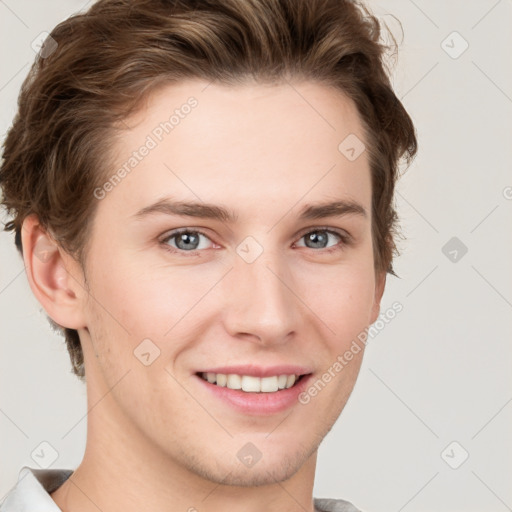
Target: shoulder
[332,505]
[33,488]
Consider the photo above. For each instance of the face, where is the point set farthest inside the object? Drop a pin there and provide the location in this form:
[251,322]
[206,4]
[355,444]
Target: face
[268,292]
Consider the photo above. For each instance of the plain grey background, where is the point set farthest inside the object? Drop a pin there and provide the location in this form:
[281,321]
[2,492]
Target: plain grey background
[428,424]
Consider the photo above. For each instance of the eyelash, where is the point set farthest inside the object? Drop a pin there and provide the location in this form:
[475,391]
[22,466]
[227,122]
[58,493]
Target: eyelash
[346,240]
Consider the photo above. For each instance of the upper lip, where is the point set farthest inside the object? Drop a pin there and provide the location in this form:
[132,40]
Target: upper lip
[259,371]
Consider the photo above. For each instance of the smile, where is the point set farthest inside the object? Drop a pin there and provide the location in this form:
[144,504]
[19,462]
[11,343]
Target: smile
[249,383]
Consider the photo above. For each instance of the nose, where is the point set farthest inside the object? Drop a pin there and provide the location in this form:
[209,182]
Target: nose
[260,303]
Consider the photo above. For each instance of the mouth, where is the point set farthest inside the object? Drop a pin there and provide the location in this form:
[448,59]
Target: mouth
[256,390]
[254,395]
[251,383]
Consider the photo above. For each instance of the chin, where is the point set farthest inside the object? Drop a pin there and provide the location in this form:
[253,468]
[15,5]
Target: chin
[260,475]
[275,467]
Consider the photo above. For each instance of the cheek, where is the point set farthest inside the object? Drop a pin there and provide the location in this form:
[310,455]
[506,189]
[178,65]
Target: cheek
[342,296]
[148,301]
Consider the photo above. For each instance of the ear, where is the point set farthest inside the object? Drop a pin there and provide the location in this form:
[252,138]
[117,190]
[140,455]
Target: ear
[380,284]
[55,278]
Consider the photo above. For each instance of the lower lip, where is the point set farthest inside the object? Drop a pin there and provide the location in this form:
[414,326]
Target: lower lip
[258,403]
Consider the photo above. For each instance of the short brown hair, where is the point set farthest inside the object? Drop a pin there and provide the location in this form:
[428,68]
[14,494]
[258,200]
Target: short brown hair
[100,64]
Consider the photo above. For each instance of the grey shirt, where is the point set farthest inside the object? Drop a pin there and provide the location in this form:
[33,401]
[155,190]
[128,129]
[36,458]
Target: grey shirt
[32,493]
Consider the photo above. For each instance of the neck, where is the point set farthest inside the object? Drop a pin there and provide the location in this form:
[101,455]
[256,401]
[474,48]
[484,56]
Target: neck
[109,483]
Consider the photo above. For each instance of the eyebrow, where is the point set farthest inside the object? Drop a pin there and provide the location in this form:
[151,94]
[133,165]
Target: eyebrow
[167,206]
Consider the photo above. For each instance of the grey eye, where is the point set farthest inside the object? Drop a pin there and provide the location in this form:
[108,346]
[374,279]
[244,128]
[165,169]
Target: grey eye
[186,240]
[319,238]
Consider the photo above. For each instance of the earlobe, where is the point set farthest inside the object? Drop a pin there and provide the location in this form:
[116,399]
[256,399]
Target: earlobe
[380,284]
[48,270]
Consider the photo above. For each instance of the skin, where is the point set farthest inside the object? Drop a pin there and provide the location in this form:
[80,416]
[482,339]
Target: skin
[155,439]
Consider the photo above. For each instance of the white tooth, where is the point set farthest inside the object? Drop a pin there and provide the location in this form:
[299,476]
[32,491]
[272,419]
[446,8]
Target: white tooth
[251,384]
[281,381]
[210,377]
[222,379]
[269,384]
[290,381]
[234,381]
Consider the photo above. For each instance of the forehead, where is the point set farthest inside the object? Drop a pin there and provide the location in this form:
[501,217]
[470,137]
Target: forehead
[250,145]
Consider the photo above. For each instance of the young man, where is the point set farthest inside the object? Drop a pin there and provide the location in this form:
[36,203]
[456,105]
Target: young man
[202,194]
